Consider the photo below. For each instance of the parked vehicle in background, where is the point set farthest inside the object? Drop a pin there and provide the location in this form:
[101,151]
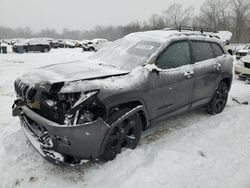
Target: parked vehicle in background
[83,43]
[64,43]
[77,43]
[32,45]
[95,45]
[242,68]
[17,40]
[53,43]
[243,52]
[61,43]
[95,109]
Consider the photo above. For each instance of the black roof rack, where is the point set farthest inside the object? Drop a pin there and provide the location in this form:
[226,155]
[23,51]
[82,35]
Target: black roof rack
[189,28]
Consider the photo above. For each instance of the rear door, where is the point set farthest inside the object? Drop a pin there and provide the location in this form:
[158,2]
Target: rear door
[207,71]
[32,45]
[220,55]
[172,86]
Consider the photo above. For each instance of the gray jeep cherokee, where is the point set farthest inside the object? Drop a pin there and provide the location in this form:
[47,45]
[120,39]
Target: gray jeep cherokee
[94,108]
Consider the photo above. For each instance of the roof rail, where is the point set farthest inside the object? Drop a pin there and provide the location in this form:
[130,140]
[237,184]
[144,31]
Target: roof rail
[190,28]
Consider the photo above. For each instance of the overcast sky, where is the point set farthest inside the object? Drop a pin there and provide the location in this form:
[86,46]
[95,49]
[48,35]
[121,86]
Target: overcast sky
[81,14]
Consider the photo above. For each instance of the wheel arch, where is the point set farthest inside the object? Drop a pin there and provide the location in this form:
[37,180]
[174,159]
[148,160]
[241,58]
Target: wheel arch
[228,81]
[133,104]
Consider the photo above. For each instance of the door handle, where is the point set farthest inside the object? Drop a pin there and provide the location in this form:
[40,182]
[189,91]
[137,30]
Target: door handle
[217,67]
[188,74]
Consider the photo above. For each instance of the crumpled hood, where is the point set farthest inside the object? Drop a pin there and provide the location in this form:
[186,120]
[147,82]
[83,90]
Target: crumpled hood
[71,71]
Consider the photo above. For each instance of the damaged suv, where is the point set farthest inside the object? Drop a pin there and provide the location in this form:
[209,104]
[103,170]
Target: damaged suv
[95,108]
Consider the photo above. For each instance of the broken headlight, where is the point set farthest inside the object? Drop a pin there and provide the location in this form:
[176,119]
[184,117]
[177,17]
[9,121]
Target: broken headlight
[84,107]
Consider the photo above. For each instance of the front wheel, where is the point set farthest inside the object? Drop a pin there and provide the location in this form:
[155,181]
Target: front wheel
[219,99]
[125,135]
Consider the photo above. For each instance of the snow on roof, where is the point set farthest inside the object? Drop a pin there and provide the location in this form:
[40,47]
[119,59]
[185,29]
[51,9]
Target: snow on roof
[162,35]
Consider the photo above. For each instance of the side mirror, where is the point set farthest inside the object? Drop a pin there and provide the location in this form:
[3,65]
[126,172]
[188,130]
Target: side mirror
[230,52]
[156,70]
[153,68]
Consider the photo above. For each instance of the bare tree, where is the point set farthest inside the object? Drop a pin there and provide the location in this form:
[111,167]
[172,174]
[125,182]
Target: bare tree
[176,15]
[241,9]
[156,22]
[215,14]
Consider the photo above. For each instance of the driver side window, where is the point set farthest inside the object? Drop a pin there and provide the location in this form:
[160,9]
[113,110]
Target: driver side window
[176,55]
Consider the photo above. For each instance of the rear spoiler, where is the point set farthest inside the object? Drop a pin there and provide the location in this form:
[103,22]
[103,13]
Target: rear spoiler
[225,36]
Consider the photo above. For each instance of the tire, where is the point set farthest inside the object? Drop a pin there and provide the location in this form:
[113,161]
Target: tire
[91,49]
[125,135]
[45,50]
[219,99]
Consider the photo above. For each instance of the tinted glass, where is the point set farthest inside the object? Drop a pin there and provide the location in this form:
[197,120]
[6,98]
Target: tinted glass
[176,55]
[217,50]
[202,51]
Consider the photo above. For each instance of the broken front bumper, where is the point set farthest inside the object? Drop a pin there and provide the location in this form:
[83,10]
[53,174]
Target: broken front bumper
[60,143]
[63,144]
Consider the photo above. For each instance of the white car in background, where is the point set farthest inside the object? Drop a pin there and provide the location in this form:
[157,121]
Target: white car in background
[242,68]
[95,45]
[243,52]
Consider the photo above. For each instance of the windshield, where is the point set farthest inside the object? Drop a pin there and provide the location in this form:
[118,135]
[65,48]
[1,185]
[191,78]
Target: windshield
[127,53]
[246,47]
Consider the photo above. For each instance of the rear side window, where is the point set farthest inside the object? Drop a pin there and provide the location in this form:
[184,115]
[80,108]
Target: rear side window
[176,55]
[202,51]
[217,50]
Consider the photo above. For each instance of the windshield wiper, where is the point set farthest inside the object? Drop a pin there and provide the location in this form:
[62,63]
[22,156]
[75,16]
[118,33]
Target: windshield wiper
[107,65]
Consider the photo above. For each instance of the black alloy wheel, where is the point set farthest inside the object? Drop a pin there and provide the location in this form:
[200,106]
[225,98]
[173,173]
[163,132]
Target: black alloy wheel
[125,135]
[219,99]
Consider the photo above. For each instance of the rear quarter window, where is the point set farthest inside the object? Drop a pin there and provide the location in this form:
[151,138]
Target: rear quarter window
[217,50]
[202,51]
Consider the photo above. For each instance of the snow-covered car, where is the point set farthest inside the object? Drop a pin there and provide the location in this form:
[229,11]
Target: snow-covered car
[64,43]
[95,45]
[94,109]
[77,43]
[32,45]
[53,43]
[242,67]
[243,52]
[83,43]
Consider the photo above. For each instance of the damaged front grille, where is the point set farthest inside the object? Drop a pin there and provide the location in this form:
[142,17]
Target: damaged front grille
[24,91]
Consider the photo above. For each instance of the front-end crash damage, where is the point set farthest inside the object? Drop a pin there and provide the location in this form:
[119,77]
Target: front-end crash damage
[64,127]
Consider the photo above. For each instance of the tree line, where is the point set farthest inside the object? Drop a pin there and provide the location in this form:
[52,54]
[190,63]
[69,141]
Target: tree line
[232,15]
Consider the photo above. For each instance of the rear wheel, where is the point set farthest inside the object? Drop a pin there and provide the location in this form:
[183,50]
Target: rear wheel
[219,99]
[125,135]
[45,50]
[91,49]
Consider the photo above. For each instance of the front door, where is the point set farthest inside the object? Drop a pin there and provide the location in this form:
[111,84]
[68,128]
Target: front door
[172,85]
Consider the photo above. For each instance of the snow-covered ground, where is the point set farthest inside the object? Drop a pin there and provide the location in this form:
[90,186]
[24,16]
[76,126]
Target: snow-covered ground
[191,150]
